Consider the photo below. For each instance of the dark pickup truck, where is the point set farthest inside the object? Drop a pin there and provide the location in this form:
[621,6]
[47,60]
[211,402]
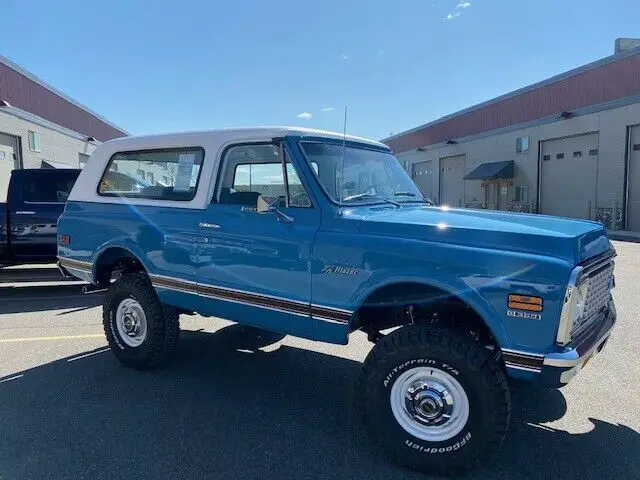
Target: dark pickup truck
[28,220]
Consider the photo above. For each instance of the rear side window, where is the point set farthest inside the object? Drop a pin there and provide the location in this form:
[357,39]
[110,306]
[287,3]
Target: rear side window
[48,187]
[166,174]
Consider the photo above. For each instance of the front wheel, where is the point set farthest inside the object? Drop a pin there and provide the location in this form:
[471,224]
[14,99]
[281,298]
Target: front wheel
[141,331]
[434,398]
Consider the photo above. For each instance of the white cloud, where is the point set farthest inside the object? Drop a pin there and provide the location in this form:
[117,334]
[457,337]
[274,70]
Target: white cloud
[328,109]
[456,11]
[344,56]
[305,115]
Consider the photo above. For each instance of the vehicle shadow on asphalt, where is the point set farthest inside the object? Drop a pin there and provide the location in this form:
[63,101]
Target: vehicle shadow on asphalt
[225,408]
[38,298]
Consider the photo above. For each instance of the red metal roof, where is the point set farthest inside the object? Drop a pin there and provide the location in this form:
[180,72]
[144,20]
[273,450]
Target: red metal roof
[610,81]
[32,96]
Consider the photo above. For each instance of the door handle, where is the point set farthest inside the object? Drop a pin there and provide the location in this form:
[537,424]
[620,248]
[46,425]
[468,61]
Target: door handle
[25,212]
[208,225]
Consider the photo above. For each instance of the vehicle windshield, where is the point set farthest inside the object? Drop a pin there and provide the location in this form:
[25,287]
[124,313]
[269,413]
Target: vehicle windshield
[365,176]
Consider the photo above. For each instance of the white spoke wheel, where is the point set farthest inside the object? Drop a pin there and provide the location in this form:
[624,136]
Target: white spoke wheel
[131,322]
[429,404]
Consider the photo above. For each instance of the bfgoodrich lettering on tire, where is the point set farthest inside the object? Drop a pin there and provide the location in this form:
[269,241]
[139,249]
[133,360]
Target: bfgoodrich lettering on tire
[141,332]
[434,398]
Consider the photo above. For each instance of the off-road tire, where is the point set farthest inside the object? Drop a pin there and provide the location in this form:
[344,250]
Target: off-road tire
[476,369]
[163,325]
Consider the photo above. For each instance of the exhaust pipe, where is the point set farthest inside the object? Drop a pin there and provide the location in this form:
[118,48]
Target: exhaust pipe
[91,289]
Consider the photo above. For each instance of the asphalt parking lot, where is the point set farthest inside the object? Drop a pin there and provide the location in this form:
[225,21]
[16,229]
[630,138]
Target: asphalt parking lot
[241,403]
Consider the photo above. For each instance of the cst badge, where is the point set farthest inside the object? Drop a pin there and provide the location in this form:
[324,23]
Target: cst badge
[527,315]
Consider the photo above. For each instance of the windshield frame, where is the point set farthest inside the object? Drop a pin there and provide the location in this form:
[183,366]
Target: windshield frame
[350,144]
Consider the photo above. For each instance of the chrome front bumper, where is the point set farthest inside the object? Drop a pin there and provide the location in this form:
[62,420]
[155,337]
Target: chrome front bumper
[572,360]
[558,368]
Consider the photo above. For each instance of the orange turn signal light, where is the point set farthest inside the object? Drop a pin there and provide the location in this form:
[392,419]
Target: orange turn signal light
[523,302]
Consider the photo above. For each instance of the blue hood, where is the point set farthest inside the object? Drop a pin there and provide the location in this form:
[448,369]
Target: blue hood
[572,240]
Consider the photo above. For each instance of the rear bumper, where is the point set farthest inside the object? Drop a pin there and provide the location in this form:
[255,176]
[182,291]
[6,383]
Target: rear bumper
[559,368]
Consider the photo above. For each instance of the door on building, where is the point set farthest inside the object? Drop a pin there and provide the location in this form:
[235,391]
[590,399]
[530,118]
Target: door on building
[633,180]
[452,181]
[568,176]
[9,160]
[496,195]
[422,174]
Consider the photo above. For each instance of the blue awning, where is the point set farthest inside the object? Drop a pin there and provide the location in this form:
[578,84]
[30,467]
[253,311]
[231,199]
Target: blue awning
[492,171]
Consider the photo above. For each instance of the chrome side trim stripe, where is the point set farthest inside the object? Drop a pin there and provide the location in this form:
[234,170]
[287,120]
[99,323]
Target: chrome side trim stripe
[86,267]
[530,362]
[522,367]
[269,302]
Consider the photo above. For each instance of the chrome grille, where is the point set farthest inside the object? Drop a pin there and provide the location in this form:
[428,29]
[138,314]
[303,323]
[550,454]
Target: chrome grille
[597,298]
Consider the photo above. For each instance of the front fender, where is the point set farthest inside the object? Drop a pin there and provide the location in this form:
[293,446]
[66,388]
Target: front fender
[453,285]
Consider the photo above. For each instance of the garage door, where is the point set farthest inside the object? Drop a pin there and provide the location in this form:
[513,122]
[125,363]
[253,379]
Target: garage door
[452,181]
[7,162]
[422,174]
[568,176]
[633,201]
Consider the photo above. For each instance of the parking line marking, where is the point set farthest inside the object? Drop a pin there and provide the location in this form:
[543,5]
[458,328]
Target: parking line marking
[44,339]
[89,354]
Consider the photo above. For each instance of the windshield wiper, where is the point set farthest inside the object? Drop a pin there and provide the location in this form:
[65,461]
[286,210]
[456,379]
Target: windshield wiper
[411,194]
[360,196]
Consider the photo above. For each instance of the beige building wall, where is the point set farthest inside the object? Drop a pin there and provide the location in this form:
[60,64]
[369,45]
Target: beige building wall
[611,125]
[56,145]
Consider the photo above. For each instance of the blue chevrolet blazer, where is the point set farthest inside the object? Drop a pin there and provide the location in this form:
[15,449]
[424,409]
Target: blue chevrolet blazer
[316,234]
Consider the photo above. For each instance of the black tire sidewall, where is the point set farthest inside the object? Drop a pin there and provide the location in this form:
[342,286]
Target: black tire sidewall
[127,353]
[466,444]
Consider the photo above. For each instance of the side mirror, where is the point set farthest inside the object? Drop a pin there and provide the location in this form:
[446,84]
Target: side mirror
[268,205]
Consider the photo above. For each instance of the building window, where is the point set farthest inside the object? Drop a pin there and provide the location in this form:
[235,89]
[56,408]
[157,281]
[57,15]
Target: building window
[140,173]
[546,157]
[594,151]
[559,156]
[636,147]
[522,145]
[34,141]
[522,193]
[165,180]
[150,177]
[577,154]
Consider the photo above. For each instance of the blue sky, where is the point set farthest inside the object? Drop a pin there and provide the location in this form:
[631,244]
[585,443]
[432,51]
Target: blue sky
[157,66]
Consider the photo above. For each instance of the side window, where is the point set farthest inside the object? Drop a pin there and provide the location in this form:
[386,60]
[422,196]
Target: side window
[54,188]
[254,170]
[166,174]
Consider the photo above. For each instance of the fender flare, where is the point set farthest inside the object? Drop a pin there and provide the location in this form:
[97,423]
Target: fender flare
[129,247]
[468,295]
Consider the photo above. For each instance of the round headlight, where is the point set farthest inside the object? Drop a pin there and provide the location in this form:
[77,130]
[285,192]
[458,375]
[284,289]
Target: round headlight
[580,302]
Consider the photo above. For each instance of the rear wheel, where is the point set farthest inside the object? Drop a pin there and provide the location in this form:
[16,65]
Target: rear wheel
[434,398]
[141,331]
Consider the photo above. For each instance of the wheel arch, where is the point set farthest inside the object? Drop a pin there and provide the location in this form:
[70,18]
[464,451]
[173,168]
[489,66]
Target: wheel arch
[400,292]
[113,258]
